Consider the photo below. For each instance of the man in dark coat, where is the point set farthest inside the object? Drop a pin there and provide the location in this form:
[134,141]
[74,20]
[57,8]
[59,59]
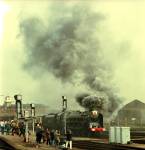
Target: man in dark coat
[69,139]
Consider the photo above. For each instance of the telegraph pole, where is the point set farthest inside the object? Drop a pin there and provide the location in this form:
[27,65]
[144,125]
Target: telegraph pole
[64,108]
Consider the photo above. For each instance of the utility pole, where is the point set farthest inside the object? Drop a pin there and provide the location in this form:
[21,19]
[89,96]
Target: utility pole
[64,108]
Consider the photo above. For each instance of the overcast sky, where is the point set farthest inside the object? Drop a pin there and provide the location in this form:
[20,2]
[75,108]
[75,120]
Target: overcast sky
[121,34]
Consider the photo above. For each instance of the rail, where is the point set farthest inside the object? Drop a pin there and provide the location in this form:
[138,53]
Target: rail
[90,145]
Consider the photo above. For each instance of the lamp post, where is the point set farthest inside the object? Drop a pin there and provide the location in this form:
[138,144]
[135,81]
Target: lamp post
[18,99]
[64,108]
[33,116]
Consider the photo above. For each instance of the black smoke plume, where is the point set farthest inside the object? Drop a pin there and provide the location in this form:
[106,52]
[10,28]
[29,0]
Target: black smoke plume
[90,102]
[67,44]
[80,97]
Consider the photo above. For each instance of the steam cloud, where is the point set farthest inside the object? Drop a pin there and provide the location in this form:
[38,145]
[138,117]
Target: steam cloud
[67,44]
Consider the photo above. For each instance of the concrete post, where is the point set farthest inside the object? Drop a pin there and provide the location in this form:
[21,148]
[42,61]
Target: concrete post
[65,122]
[26,131]
[33,125]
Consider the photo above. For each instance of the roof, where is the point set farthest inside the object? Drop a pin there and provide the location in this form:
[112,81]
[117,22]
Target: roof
[135,104]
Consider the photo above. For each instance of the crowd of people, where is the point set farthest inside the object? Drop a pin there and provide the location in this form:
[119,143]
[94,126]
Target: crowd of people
[49,137]
[53,137]
[12,127]
[5,127]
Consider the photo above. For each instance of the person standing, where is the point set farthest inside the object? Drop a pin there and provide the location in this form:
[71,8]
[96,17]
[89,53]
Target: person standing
[2,124]
[52,137]
[38,134]
[47,134]
[69,139]
[57,137]
[7,128]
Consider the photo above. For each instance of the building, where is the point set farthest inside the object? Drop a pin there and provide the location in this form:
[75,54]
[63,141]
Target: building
[132,114]
[8,112]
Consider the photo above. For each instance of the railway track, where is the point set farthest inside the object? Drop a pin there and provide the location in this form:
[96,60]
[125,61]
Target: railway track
[89,145]
[133,134]
[137,134]
[137,137]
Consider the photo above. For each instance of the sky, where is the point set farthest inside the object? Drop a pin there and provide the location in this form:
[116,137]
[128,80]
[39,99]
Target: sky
[120,33]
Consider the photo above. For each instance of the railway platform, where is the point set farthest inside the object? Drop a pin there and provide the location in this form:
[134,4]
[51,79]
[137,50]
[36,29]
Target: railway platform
[79,143]
[18,143]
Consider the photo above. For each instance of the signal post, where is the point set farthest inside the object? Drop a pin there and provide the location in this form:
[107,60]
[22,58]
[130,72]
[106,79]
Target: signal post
[64,108]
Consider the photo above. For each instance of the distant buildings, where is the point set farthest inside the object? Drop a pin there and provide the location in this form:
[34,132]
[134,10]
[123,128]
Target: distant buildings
[8,112]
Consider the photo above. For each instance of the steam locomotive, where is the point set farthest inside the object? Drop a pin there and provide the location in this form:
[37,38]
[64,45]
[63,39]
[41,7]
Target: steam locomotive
[85,123]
